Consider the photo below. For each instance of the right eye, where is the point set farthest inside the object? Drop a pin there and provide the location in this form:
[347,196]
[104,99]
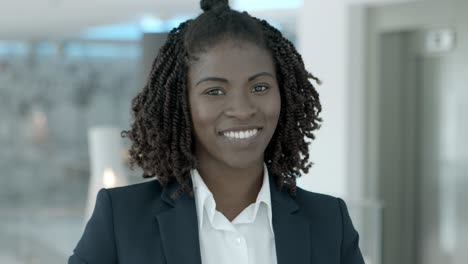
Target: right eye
[215,92]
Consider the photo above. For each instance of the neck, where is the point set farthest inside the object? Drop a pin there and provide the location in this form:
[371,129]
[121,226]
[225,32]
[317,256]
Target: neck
[233,189]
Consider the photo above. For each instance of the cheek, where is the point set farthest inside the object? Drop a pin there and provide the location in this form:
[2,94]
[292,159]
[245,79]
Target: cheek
[203,116]
[197,115]
[274,108]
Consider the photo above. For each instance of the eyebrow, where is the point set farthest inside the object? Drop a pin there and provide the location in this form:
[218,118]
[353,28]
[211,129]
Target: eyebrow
[217,79]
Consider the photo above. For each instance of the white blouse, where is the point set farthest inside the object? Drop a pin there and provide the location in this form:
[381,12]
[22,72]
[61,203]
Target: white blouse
[249,238]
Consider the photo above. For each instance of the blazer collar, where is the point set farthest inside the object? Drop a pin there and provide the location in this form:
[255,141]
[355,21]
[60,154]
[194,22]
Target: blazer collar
[292,232]
[178,225]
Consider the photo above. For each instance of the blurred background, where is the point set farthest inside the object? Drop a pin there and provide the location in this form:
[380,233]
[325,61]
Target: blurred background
[394,94]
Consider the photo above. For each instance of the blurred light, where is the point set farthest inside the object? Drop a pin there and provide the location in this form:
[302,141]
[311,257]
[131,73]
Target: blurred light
[39,127]
[46,48]
[13,48]
[108,179]
[133,30]
[176,21]
[152,24]
[40,119]
[113,32]
[102,50]
[267,4]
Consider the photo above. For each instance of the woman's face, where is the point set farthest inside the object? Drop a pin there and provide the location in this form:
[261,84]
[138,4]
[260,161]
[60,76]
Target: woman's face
[234,103]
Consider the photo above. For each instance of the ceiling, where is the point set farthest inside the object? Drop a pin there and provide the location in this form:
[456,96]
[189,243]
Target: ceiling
[39,19]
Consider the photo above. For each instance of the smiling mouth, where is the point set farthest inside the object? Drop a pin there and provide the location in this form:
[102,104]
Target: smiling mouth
[240,134]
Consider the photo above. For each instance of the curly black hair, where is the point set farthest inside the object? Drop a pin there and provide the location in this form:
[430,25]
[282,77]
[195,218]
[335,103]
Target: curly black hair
[161,132]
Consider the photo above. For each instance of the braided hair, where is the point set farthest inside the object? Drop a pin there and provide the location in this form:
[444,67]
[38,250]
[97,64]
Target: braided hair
[161,132]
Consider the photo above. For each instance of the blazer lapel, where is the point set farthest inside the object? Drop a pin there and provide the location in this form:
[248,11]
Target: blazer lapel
[292,234]
[179,229]
[178,226]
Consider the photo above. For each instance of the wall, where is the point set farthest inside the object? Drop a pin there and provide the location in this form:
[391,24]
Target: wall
[322,43]
[332,39]
[439,213]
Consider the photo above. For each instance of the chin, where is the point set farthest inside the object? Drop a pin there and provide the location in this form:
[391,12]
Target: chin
[242,162]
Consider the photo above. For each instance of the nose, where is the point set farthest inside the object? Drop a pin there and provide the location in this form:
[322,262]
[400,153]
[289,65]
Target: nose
[241,106]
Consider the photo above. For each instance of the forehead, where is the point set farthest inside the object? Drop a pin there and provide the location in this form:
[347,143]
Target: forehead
[232,59]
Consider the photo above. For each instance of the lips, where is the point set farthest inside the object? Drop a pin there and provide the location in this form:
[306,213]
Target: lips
[240,133]
[240,129]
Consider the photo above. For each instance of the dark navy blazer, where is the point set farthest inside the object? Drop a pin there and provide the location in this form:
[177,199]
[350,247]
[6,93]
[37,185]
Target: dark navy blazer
[140,224]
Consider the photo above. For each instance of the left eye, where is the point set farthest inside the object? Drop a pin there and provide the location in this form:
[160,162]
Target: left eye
[260,88]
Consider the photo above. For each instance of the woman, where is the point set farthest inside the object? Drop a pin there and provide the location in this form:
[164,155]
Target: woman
[221,123]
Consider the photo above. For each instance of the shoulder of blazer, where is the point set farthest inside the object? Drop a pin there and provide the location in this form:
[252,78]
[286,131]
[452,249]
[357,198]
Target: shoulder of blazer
[139,198]
[330,215]
[318,206]
[307,198]
[148,188]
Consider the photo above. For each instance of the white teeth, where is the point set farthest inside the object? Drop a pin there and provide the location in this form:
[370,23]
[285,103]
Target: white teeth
[241,134]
